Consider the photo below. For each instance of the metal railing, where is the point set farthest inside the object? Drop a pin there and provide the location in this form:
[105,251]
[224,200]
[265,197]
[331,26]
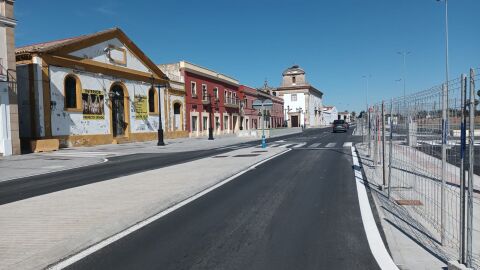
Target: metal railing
[232,101]
[426,144]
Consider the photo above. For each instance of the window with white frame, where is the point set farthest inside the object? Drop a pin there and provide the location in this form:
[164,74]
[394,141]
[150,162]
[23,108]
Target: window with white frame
[205,123]
[194,123]
[293,97]
[204,91]
[215,92]
[225,122]
[194,89]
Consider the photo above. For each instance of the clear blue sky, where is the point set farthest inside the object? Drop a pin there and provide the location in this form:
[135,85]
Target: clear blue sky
[335,41]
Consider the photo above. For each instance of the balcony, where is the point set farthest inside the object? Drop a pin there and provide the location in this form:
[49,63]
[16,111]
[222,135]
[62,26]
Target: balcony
[232,102]
[206,100]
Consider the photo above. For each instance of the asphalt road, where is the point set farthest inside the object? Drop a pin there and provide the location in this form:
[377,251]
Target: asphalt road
[297,211]
[24,188]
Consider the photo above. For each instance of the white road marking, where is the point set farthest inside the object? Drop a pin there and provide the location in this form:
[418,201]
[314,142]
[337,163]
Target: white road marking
[299,145]
[274,145]
[314,145]
[80,154]
[280,141]
[347,144]
[332,144]
[96,247]
[377,247]
[287,145]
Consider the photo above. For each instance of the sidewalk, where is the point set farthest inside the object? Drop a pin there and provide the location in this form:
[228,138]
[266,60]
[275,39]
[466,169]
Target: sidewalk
[412,231]
[68,158]
[39,231]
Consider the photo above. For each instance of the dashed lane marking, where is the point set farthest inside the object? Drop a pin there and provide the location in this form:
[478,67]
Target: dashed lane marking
[287,145]
[314,145]
[299,145]
[330,145]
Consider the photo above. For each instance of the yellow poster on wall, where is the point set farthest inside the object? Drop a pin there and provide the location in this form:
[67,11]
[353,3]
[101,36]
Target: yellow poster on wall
[141,107]
[93,105]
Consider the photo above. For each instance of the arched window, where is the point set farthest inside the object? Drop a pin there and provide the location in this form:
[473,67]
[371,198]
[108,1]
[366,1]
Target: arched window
[72,91]
[152,101]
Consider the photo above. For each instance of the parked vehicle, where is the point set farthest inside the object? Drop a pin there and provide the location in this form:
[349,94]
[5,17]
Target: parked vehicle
[340,125]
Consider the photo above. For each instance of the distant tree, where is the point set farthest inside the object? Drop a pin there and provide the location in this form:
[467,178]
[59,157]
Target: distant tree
[361,115]
[353,114]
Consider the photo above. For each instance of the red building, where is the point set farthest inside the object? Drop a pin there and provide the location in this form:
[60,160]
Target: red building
[212,99]
[250,118]
[276,117]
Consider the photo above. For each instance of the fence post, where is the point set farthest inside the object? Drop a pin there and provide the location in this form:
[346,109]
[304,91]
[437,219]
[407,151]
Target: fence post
[463,120]
[444,162]
[390,154]
[470,169]
[383,147]
[369,132]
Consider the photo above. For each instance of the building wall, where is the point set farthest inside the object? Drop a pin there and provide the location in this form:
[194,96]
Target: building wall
[9,140]
[97,53]
[195,107]
[314,104]
[293,105]
[73,123]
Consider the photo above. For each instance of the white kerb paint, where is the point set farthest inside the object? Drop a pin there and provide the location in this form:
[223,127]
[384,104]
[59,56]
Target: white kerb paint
[96,247]
[375,241]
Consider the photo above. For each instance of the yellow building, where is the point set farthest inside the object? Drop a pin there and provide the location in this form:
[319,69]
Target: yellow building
[88,90]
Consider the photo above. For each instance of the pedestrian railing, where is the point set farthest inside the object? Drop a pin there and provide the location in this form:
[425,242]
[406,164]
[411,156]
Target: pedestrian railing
[426,145]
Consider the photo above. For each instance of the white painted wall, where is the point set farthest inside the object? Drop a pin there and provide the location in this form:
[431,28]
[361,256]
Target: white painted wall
[5,129]
[72,123]
[330,115]
[314,102]
[97,53]
[300,103]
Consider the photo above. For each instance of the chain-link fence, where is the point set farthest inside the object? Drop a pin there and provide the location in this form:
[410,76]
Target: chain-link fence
[427,143]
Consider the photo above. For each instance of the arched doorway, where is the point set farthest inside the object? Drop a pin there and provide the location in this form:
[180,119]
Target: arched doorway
[119,125]
[177,116]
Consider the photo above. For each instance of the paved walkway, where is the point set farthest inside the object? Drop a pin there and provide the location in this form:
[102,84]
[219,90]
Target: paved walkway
[39,231]
[67,158]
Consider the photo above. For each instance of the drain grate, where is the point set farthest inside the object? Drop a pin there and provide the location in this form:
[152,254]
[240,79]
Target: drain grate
[408,202]
[247,155]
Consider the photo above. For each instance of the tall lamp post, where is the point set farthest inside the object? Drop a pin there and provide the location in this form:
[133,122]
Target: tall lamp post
[404,54]
[263,105]
[160,141]
[212,122]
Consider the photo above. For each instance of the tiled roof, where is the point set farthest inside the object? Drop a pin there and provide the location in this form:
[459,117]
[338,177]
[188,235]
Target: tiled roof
[50,45]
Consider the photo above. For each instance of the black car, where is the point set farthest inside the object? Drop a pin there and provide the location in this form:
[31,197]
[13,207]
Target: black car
[340,125]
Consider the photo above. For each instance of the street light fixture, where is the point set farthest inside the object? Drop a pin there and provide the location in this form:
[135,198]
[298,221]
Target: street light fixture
[404,54]
[160,141]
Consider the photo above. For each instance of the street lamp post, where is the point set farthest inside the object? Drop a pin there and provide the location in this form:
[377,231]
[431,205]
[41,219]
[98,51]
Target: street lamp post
[160,141]
[404,54]
[210,129]
[263,105]
[367,78]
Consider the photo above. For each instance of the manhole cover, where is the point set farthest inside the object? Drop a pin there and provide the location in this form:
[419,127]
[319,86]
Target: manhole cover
[408,202]
[247,155]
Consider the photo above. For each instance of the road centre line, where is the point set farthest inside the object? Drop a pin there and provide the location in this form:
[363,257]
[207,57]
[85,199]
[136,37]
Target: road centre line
[377,247]
[96,247]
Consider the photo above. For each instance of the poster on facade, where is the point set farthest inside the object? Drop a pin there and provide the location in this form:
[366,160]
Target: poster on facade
[93,106]
[141,107]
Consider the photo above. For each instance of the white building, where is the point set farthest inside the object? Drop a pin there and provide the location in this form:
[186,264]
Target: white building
[330,114]
[344,116]
[88,90]
[9,141]
[302,102]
